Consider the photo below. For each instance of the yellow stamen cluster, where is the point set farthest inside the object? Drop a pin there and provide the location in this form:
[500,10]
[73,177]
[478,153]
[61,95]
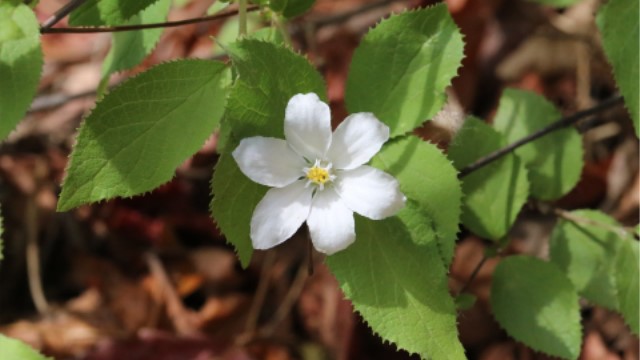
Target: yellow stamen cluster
[318,175]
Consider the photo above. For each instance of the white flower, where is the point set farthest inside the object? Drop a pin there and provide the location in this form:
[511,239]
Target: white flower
[317,176]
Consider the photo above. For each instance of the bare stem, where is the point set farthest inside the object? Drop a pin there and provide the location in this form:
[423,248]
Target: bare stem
[560,124]
[33,257]
[242,18]
[90,30]
[61,13]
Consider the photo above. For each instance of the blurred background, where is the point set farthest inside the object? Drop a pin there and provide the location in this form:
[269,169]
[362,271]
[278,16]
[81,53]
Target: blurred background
[151,277]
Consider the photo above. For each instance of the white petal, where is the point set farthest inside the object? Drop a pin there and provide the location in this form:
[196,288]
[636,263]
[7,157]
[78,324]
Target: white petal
[279,214]
[268,161]
[307,125]
[370,192]
[330,223]
[356,140]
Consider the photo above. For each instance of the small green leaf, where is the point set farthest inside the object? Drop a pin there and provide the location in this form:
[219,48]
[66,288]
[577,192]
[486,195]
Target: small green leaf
[401,68]
[556,3]
[129,48]
[493,195]
[584,252]
[396,280]
[107,12]
[426,176]
[13,349]
[619,26]
[627,281]
[235,197]
[139,133]
[291,8]
[20,63]
[537,305]
[260,95]
[554,160]
[255,107]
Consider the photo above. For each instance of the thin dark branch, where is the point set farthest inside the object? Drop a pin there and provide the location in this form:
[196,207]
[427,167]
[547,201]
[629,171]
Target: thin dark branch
[474,274]
[560,124]
[61,13]
[89,30]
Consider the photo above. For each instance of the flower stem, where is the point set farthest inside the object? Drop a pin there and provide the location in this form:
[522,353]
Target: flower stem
[242,18]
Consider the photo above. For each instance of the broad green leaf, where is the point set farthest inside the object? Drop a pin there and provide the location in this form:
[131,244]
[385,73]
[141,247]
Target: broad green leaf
[585,253]
[20,63]
[493,195]
[291,8]
[12,349]
[401,68]
[396,280]
[426,176]
[107,12]
[139,133]
[234,198]
[129,48]
[619,26]
[255,107]
[268,76]
[557,3]
[537,305]
[555,160]
[627,282]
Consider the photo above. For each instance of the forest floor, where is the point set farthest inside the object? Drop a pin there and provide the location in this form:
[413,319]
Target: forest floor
[152,278]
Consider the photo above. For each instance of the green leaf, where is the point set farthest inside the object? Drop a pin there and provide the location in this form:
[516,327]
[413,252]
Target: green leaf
[627,280]
[494,194]
[556,3]
[537,305]
[129,48]
[258,99]
[396,280]
[234,198]
[426,176]
[554,160]
[140,132]
[20,63]
[255,107]
[13,349]
[619,26]
[107,12]
[584,252]
[291,8]
[401,68]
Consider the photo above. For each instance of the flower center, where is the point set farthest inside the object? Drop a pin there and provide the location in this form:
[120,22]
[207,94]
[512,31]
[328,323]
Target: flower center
[318,175]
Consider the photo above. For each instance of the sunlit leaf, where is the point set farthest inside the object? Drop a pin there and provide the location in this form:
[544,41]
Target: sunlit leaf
[20,63]
[627,282]
[401,68]
[129,48]
[494,194]
[107,12]
[619,26]
[554,161]
[585,251]
[139,133]
[536,304]
[428,177]
[396,280]
[12,349]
